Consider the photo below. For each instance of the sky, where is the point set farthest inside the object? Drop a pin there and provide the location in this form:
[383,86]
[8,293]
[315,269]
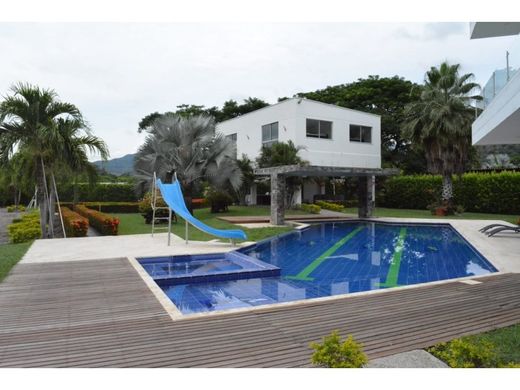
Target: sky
[116,73]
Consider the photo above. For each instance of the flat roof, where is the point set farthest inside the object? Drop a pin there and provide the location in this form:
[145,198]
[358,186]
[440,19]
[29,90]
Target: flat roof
[300,98]
[324,171]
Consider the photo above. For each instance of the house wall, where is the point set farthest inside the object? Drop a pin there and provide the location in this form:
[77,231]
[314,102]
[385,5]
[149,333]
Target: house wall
[291,116]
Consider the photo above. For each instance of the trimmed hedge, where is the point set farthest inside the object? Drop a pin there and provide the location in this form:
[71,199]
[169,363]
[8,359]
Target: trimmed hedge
[75,224]
[329,205]
[107,192]
[310,208]
[113,207]
[25,229]
[103,223]
[479,192]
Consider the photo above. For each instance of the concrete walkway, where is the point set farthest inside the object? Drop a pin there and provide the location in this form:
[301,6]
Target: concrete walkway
[109,247]
[418,358]
[5,219]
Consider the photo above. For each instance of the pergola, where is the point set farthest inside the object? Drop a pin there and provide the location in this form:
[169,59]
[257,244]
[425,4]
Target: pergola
[280,173]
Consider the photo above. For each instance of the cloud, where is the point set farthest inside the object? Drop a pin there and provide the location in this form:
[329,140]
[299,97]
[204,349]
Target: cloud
[116,73]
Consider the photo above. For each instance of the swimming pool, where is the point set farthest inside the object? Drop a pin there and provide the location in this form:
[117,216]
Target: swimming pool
[328,259]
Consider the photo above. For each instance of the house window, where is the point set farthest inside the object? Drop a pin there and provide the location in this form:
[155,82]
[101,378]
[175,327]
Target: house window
[233,139]
[360,133]
[269,134]
[319,129]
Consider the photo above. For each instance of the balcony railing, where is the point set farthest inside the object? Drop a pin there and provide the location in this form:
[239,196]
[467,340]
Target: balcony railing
[500,77]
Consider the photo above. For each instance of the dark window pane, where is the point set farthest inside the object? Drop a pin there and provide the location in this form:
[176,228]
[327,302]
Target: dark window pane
[325,129]
[355,133]
[366,135]
[266,133]
[313,128]
[274,131]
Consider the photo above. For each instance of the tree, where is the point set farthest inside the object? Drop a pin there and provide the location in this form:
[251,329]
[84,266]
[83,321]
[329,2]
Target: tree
[385,96]
[230,109]
[283,153]
[440,122]
[248,177]
[190,148]
[34,123]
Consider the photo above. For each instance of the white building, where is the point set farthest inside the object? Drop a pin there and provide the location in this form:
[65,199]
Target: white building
[331,136]
[499,123]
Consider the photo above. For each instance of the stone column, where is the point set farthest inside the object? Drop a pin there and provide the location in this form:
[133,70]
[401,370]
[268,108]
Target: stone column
[252,195]
[277,199]
[366,204]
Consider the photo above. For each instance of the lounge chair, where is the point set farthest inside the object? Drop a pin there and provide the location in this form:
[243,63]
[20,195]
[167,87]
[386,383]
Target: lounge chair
[493,225]
[503,228]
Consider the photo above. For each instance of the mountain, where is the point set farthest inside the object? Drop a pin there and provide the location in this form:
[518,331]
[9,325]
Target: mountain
[117,166]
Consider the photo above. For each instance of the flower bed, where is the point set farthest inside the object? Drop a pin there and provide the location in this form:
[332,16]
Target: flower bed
[103,223]
[75,224]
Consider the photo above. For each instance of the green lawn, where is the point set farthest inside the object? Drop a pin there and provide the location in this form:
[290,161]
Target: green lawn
[406,213]
[506,341]
[134,224]
[10,254]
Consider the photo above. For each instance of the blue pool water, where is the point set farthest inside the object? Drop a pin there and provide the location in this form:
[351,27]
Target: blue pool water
[338,258]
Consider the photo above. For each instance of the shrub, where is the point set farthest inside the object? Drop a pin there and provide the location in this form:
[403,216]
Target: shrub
[219,201]
[25,229]
[145,208]
[310,208]
[477,192]
[336,354]
[102,192]
[198,203]
[462,353]
[75,224]
[113,207]
[329,205]
[11,209]
[103,223]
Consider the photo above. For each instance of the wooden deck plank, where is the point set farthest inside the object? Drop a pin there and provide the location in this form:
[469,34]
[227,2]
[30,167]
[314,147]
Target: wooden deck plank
[100,313]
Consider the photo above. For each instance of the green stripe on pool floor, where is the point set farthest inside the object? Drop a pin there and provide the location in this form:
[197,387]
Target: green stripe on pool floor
[304,274]
[393,271]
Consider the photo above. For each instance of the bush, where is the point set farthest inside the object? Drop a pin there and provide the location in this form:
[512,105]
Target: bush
[310,208]
[25,229]
[336,354]
[145,208]
[113,207]
[329,205]
[462,353]
[219,201]
[477,192]
[198,203]
[75,224]
[13,208]
[106,192]
[103,223]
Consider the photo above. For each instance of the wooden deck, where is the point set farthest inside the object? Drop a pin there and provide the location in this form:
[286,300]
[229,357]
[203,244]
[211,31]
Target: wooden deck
[100,313]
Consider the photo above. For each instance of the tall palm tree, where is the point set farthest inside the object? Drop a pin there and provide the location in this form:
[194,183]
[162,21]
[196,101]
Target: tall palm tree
[33,122]
[190,148]
[440,122]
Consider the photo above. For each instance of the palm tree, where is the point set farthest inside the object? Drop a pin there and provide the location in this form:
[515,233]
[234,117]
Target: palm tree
[440,122]
[283,153]
[190,148]
[34,122]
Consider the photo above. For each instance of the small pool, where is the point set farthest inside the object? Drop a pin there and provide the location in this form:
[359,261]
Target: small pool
[323,260]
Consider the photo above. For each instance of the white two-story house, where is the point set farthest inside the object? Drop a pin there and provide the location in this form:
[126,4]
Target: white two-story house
[331,136]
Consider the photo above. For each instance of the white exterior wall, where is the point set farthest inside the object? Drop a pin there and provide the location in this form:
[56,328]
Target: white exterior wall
[291,116]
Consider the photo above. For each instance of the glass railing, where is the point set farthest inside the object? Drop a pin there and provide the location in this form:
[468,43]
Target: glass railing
[500,77]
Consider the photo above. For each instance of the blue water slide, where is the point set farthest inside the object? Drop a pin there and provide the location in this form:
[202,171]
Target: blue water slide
[172,195]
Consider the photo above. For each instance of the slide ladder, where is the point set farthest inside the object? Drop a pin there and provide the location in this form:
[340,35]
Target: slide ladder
[172,195]
[156,196]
